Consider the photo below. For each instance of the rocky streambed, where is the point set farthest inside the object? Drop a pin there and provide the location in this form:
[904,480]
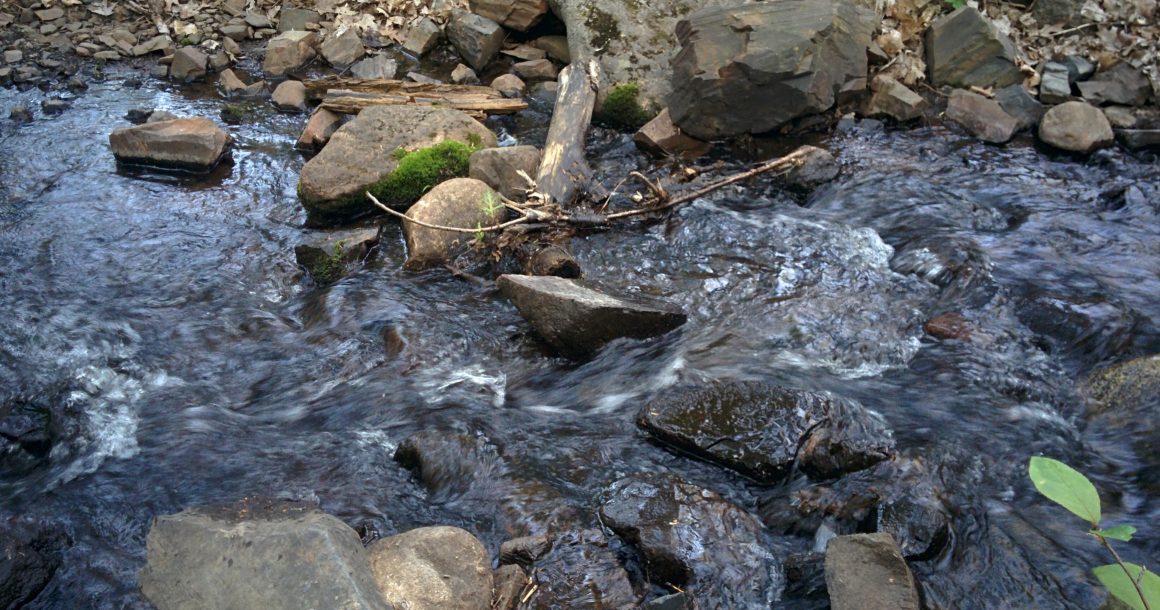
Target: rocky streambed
[803,391]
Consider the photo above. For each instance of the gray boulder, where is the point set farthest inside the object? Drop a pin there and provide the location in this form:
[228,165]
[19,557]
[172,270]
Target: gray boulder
[982,117]
[291,18]
[433,568]
[1019,103]
[257,554]
[754,67]
[692,538]
[331,186]
[867,572]
[1076,127]
[230,85]
[195,144]
[422,37]
[289,51]
[344,49]
[189,63]
[500,167]
[1122,84]
[518,15]
[464,203]
[1054,84]
[478,39]
[759,429]
[577,320]
[963,49]
[378,67]
[894,100]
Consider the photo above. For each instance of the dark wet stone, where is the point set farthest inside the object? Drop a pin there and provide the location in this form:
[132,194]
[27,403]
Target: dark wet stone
[581,573]
[510,582]
[138,116]
[327,256]
[818,168]
[1139,139]
[950,325]
[919,525]
[805,576]
[1122,84]
[30,554]
[1122,401]
[676,601]
[867,572]
[757,429]
[20,113]
[1084,326]
[448,464]
[524,551]
[55,106]
[1079,68]
[578,320]
[1019,103]
[693,538]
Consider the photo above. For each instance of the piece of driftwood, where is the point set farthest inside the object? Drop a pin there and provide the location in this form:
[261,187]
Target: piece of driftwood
[351,95]
[564,173]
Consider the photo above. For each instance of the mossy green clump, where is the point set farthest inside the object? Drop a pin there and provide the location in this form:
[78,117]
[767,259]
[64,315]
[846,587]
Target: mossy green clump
[420,170]
[622,108]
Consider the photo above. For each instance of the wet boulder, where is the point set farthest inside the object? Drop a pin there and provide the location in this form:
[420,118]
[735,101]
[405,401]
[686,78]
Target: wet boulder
[818,166]
[289,51]
[463,203]
[964,49]
[478,39]
[867,572]
[194,144]
[30,554]
[361,153]
[289,96]
[257,554]
[525,550]
[230,85]
[519,15]
[1139,139]
[756,429]
[1076,127]
[433,568]
[693,538]
[892,99]
[450,465]
[754,67]
[322,124]
[327,256]
[500,167]
[982,117]
[578,320]
[581,573]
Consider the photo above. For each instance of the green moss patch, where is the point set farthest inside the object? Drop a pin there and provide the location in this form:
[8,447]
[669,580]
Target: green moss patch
[622,108]
[420,170]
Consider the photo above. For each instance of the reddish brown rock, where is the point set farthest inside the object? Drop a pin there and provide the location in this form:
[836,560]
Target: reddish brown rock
[950,325]
[660,136]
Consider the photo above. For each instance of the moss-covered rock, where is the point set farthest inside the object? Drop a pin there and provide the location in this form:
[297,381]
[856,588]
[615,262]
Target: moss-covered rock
[421,170]
[624,108]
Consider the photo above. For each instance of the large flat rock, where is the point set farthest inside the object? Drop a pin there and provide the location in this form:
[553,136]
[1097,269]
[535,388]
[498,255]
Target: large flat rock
[578,320]
[195,144]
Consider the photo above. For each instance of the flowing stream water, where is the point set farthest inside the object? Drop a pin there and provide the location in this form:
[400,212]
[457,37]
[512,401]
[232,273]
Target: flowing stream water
[192,363]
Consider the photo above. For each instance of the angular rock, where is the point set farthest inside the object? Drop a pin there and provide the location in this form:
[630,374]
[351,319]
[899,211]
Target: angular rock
[291,18]
[50,14]
[462,75]
[153,45]
[867,572]
[519,15]
[378,67]
[343,50]
[289,51]
[1054,84]
[1121,117]
[1065,13]
[676,601]
[510,582]
[499,168]
[460,202]
[963,49]
[1079,68]
[892,99]
[257,20]
[693,538]
[524,52]
[189,63]
[661,137]
[1076,127]
[331,186]
[1122,84]
[290,96]
[195,144]
[536,69]
[236,32]
[13,56]
[577,321]
[754,67]
[326,256]
[555,46]
[524,551]
[1139,139]
[30,554]
[982,117]
[477,39]
[1019,103]
[322,124]
[422,37]
[256,554]
[433,568]
[231,86]
[581,573]
[818,168]
[758,429]
[510,85]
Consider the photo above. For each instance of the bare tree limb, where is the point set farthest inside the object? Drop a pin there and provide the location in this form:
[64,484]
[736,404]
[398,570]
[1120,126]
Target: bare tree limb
[487,229]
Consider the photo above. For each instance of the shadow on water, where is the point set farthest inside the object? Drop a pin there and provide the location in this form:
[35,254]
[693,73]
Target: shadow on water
[185,360]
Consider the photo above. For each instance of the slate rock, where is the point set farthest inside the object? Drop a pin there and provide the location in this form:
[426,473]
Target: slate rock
[322,124]
[1078,68]
[1122,84]
[894,100]
[477,39]
[195,144]
[460,203]
[422,37]
[756,429]
[555,46]
[963,49]
[289,51]
[754,67]
[236,32]
[1076,127]
[693,538]
[982,117]
[433,568]
[1139,139]
[499,168]
[519,15]
[577,320]
[660,136]
[378,67]
[1054,84]
[344,49]
[1019,103]
[867,572]
[256,554]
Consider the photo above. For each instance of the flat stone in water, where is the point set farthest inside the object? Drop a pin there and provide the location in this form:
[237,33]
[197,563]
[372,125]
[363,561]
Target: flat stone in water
[195,144]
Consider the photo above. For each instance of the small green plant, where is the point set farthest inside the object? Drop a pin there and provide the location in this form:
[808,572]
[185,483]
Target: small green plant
[491,204]
[185,41]
[1132,584]
[622,108]
[329,269]
[420,170]
[956,4]
[479,234]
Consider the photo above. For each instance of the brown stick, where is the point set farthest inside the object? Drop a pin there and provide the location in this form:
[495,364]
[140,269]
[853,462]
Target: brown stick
[487,229]
[563,171]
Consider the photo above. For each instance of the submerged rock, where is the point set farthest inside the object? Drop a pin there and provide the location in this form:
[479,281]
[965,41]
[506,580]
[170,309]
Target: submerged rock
[577,320]
[464,203]
[693,538]
[30,554]
[331,186]
[963,49]
[1139,139]
[195,144]
[817,168]
[433,568]
[327,256]
[754,67]
[1076,127]
[757,429]
[867,572]
[500,167]
[257,554]
[581,573]
[1123,400]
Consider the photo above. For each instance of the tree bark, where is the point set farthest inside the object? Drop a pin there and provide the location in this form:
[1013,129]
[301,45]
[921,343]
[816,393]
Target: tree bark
[564,172]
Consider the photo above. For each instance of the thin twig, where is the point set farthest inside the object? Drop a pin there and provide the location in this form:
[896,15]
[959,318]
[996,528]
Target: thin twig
[1135,579]
[487,229]
[657,190]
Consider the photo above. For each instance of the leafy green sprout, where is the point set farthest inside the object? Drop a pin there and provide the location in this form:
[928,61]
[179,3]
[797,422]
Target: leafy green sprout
[1132,584]
[491,204]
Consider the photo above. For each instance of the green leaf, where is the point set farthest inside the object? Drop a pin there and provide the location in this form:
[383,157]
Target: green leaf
[1121,587]
[1066,487]
[1119,532]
